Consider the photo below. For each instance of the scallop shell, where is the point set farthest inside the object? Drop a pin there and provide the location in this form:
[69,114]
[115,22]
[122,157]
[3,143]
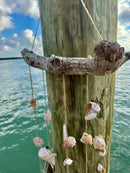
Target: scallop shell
[69,142]
[65,135]
[92,110]
[67,162]
[86,138]
[38,141]
[47,116]
[46,154]
[32,101]
[99,143]
[100,168]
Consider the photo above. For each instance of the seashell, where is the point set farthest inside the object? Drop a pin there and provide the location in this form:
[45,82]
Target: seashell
[47,116]
[38,141]
[67,162]
[65,135]
[99,143]
[100,168]
[92,110]
[69,142]
[103,153]
[32,101]
[86,138]
[46,154]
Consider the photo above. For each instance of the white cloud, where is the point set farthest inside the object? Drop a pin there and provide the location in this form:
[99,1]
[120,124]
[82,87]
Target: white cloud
[5,22]
[8,7]
[121,32]
[123,23]
[124,12]
[14,45]
[5,49]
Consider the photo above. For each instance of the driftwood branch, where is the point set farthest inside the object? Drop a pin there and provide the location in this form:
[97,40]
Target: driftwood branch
[108,57]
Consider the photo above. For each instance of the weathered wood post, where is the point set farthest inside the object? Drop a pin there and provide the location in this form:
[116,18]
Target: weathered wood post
[67,31]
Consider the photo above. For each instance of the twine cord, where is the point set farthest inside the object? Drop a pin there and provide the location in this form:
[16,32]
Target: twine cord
[65,114]
[90,17]
[104,124]
[86,126]
[35,114]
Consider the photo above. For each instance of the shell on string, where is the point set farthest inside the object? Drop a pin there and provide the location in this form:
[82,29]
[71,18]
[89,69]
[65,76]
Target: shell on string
[32,101]
[65,135]
[99,143]
[38,141]
[92,110]
[67,162]
[69,142]
[46,154]
[47,116]
[100,168]
[86,138]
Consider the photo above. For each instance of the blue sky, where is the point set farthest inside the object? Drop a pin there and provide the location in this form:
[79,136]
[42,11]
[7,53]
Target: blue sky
[18,20]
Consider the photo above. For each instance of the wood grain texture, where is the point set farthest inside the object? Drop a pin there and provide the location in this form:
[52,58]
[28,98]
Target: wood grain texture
[68,32]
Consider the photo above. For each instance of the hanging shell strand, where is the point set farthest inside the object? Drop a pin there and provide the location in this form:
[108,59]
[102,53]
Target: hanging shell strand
[86,138]
[100,168]
[92,110]
[99,143]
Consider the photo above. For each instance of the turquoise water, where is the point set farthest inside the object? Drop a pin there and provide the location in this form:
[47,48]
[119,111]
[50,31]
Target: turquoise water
[17,151]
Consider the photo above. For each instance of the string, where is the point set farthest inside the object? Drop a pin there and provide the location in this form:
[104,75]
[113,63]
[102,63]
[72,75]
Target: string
[35,114]
[32,84]
[65,114]
[37,26]
[44,88]
[86,126]
[90,17]
[104,124]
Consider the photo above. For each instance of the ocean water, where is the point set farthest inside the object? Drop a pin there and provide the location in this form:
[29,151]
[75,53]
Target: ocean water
[17,126]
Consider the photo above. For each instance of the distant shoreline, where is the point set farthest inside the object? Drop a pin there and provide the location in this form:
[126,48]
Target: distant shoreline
[10,58]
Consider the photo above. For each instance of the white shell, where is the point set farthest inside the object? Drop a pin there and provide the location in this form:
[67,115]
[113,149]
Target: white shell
[100,168]
[46,154]
[67,162]
[69,142]
[47,116]
[92,110]
[65,135]
[99,143]
[86,138]
[103,153]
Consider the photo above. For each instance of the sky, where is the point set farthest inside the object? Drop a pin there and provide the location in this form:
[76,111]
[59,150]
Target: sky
[18,20]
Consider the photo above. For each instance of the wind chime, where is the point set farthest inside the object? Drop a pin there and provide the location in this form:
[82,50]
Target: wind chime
[92,109]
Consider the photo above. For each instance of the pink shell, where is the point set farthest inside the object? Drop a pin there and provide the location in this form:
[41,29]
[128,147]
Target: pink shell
[38,141]
[47,116]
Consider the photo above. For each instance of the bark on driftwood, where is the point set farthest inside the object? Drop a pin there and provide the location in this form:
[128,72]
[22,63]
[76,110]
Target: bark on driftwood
[109,56]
